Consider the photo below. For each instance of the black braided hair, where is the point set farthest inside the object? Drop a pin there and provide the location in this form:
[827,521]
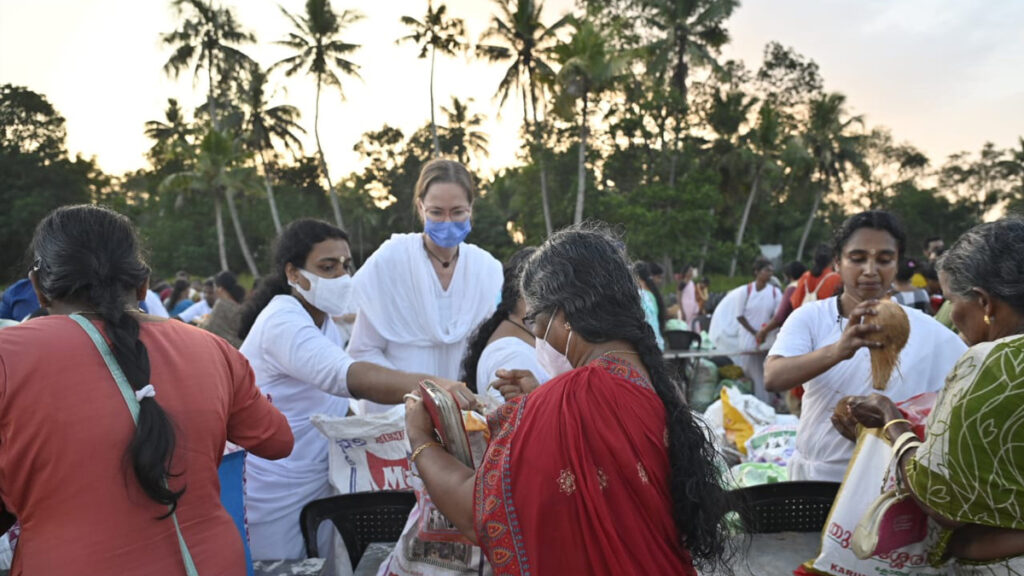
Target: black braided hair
[291,247]
[90,256]
[509,298]
[583,271]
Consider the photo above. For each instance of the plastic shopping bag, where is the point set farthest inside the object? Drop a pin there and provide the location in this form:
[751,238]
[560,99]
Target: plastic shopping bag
[742,414]
[430,545]
[860,488]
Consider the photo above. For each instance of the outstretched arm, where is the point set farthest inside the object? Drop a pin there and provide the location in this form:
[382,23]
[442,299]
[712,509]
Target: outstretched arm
[449,481]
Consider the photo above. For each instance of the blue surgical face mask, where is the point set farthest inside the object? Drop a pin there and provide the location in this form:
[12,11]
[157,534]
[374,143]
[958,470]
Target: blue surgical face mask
[447,234]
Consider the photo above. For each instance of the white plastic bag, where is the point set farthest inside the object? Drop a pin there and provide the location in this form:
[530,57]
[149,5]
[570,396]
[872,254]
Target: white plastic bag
[860,488]
[772,444]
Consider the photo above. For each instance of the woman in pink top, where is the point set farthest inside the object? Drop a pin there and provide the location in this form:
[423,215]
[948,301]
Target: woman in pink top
[94,491]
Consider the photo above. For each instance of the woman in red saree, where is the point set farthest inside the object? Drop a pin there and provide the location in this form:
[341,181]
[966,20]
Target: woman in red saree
[603,470]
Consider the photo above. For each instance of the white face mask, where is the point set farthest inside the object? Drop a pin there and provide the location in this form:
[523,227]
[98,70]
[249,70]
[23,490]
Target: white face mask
[551,360]
[330,295]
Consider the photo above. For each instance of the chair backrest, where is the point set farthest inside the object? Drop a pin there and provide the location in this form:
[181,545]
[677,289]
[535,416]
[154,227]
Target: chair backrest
[784,506]
[681,339]
[361,519]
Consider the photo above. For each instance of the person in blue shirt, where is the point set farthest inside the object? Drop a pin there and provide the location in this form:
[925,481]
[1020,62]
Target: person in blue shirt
[18,301]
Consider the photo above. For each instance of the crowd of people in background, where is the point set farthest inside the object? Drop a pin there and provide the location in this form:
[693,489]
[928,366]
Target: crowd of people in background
[568,340]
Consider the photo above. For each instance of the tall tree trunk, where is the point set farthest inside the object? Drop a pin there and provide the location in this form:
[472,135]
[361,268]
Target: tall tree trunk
[743,221]
[707,240]
[582,168]
[237,223]
[539,152]
[222,250]
[211,105]
[270,194]
[810,221]
[433,123]
[323,161]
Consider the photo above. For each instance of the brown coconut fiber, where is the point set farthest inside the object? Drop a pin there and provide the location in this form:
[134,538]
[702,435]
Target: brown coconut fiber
[894,334]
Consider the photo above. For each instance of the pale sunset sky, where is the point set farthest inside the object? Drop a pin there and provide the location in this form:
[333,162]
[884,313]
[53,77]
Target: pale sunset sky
[944,75]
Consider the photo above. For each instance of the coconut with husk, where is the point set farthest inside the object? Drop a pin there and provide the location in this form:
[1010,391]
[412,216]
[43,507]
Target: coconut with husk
[893,335]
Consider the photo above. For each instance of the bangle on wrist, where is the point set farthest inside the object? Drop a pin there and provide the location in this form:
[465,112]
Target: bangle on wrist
[891,422]
[419,450]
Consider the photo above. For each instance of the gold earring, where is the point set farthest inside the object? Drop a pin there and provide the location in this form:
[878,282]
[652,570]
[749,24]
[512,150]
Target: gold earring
[566,326]
[988,322]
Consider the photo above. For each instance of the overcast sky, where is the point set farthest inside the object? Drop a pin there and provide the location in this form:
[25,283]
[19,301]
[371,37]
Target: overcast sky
[944,75]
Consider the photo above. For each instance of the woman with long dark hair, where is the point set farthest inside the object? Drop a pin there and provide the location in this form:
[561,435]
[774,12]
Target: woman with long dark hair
[112,433]
[297,354]
[603,470]
[503,342]
[824,346]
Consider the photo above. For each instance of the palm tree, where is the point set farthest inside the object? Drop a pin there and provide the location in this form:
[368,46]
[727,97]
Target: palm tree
[435,33]
[321,52]
[832,147]
[462,134]
[518,36]
[765,142]
[172,134]
[588,68]
[217,171]
[207,40]
[691,32]
[264,125]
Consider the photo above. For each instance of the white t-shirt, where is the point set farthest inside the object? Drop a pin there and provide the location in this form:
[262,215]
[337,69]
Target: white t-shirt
[930,353]
[197,310]
[508,353]
[304,370]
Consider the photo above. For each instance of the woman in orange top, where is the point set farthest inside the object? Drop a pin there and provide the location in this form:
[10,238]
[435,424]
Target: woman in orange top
[93,490]
[818,283]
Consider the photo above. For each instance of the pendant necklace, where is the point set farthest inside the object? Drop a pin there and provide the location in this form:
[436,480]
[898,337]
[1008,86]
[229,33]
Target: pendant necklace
[443,263]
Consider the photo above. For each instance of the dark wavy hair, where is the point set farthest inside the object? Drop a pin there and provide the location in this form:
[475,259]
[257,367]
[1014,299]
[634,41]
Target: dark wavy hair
[291,247]
[90,256]
[510,295]
[794,270]
[875,220]
[643,271]
[583,271]
[227,280]
[179,293]
[823,256]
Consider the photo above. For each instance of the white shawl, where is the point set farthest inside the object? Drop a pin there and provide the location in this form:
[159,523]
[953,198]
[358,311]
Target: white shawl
[398,292]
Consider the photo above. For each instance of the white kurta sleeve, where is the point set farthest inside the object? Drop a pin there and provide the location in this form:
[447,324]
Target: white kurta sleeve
[366,344]
[305,354]
[195,311]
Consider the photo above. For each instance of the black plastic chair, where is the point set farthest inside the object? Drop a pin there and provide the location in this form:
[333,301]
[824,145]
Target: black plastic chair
[681,339]
[361,519]
[784,506]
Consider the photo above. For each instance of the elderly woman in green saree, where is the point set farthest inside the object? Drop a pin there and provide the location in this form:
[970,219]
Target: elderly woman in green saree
[968,474]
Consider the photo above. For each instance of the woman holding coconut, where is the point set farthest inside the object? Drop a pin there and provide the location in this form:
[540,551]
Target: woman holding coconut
[969,472]
[825,345]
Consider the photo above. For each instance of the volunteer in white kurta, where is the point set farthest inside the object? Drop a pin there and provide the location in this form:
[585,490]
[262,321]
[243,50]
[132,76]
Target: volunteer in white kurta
[296,353]
[420,296]
[503,341]
[760,300]
[823,346]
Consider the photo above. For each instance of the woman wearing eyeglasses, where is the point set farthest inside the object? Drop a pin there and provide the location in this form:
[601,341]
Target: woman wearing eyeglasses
[296,352]
[420,296]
